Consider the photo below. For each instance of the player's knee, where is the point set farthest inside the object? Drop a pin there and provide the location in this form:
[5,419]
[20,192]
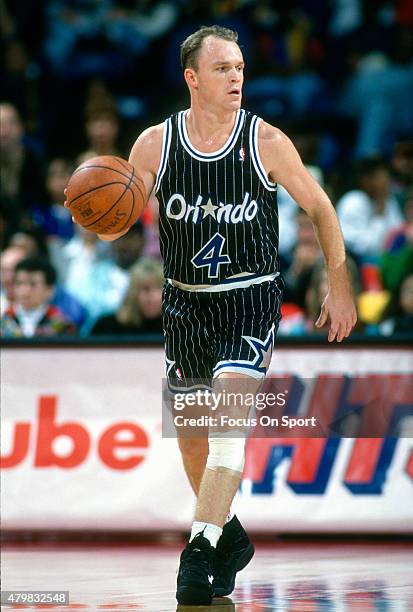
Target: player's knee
[193,448]
[226,453]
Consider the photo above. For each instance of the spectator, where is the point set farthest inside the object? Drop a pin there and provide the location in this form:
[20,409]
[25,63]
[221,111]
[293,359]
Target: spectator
[21,31]
[32,239]
[285,78]
[398,316]
[102,129]
[75,44]
[397,258]
[134,25]
[127,250]
[379,95]
[52,216]
[9,259]
[22,175]
[402,166]
[32,314]
[368,213]
[90,274]
[150,221]
[33,244]
[141,310]
[306,254]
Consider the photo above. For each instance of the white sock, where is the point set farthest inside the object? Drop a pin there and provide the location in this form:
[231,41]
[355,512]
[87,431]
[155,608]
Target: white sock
[211,532]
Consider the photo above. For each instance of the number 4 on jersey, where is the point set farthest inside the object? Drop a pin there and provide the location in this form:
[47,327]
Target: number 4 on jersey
[211,255]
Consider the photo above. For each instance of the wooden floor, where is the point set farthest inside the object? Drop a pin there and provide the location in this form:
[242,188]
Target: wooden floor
[287,577]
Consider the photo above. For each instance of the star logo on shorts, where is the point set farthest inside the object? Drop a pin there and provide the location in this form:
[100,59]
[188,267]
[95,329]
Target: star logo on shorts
[169,365]
[262,349]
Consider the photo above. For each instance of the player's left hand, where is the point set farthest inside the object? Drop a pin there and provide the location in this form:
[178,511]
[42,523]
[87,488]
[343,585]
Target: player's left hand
[66,205]
[340,308]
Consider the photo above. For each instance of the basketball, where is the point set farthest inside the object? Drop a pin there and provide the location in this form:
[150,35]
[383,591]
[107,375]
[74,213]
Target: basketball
[106,195]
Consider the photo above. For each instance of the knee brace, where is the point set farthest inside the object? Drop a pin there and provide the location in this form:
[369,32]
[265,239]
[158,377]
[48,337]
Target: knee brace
[226,453]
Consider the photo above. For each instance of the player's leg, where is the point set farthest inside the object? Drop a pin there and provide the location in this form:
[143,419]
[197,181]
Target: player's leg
[194,453]
[187,361]
[244,348]
[225,462]
[234,549]
[261,305]
[219,484]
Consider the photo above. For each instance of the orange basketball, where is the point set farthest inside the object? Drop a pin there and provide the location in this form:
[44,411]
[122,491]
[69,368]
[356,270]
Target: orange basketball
[106,195]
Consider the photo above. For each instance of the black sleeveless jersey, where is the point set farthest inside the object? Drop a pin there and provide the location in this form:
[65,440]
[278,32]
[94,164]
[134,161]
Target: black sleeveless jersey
[218,213]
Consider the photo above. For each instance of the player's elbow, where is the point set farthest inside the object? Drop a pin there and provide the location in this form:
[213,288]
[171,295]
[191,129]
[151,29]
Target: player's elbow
[319,209]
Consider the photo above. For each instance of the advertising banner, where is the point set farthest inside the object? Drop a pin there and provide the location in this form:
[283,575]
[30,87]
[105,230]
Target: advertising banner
[82,444]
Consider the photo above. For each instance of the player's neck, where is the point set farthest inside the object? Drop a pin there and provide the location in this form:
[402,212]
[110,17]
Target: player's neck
[207,126]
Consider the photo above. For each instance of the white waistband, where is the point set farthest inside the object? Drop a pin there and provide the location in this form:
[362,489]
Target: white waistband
[233,282]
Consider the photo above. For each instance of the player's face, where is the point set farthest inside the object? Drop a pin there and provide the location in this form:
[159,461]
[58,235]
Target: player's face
[220,74]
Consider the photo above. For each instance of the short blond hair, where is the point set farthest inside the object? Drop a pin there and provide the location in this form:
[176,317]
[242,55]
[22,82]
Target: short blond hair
[191,46]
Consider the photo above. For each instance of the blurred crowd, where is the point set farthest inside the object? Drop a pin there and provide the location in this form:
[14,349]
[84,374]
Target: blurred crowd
[84,77]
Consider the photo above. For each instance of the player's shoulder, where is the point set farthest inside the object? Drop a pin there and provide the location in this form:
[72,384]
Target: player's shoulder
[146,152]
[270,135]
[152,136]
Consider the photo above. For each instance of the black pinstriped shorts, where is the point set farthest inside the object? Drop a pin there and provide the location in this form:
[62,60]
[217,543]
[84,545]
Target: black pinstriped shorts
[207,333]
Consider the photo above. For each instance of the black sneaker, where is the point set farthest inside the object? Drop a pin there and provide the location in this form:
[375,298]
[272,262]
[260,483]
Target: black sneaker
[234,551]
[194,583]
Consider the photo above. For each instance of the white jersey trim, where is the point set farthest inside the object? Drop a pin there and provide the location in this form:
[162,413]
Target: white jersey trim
[239,367]
[235,282]
[166,143]
[255,154]
[215,155]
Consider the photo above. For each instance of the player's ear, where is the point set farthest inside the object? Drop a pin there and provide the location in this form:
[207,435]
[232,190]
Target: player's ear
[190,78]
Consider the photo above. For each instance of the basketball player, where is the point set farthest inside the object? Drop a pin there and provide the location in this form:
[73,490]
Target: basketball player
[214,170]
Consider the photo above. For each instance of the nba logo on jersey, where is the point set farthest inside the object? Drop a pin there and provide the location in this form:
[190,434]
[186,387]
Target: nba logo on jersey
[241,154]
[179,373]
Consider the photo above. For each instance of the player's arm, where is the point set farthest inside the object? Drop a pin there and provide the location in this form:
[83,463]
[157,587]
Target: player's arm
[284,166]
[145,157]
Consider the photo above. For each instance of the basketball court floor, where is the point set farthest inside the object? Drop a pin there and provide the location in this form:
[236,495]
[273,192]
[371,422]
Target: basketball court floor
[304,577]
